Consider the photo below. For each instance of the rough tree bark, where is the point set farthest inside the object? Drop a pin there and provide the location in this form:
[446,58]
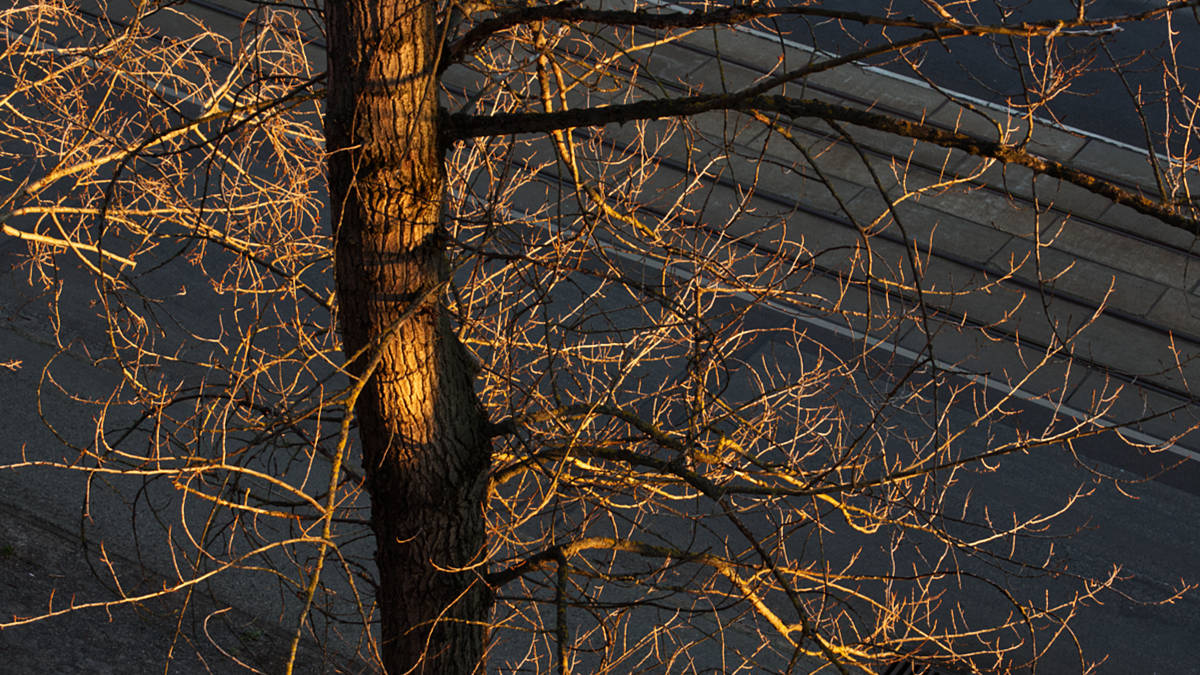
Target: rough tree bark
[423,432]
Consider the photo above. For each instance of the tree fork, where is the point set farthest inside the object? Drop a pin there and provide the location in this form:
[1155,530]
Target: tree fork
[425,439]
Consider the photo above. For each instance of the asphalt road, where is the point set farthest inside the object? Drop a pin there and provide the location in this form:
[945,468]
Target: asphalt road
[994,69]
[1145,528]
[1152,535]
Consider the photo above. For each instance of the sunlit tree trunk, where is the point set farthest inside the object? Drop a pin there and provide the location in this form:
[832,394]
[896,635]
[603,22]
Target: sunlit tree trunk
[423,434]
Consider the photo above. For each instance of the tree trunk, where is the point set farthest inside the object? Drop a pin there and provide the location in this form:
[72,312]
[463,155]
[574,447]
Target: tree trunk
[423,432]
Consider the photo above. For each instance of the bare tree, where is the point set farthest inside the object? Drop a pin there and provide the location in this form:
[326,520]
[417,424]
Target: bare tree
[613,366]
